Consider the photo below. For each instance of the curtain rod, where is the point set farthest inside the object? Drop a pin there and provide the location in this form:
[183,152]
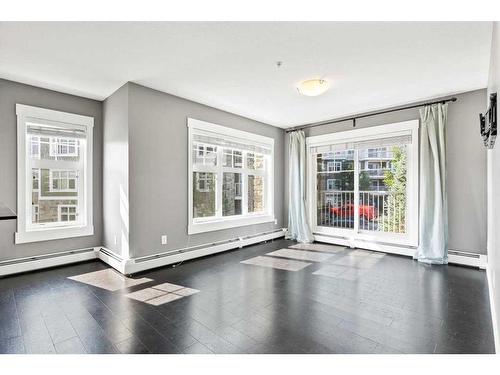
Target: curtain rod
[369,114]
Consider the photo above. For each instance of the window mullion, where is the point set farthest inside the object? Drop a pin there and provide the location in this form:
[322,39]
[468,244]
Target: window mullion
[29,185]
[264,193]
[205,168]
[258,172]
[356,191]
[244,180]
[55,164]
[81,213]
[218,190]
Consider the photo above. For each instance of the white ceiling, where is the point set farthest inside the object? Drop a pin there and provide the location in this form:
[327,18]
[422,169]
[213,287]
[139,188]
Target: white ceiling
[232,66]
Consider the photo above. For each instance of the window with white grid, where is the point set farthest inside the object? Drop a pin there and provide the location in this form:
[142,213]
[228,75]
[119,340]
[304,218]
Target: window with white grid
[230,177]
[54,174]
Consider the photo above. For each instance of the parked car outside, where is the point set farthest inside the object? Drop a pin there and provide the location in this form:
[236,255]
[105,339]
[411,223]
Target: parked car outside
[367,212]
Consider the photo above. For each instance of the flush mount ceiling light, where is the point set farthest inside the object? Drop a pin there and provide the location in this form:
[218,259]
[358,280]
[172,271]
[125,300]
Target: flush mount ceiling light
[313,87]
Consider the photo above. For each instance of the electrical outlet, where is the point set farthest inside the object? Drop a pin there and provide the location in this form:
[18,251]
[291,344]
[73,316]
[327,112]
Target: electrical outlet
[164,239]
[275,221]
[115,239]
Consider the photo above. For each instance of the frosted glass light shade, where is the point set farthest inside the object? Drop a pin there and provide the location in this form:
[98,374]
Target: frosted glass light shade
[313,87]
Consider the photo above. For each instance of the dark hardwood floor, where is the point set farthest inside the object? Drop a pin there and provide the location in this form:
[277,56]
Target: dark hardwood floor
[333,301]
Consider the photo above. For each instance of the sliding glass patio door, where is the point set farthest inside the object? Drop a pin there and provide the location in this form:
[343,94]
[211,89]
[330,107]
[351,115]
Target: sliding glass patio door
[363,184]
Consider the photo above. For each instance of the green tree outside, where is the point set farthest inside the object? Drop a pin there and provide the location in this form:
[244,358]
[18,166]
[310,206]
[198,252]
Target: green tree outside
[394,219]
[364,181]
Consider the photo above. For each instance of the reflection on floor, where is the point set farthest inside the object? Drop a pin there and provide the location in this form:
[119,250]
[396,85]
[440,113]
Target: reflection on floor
[340,272]
[279,264]
[318,247]
[300,255]
[250,302]
[355,261]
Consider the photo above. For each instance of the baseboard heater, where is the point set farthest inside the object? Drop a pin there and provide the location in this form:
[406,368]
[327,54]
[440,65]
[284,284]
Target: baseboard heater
[171,257]
[468,259]
[111,259]
[129,266]
[454,256]
[9,267]
[110,254]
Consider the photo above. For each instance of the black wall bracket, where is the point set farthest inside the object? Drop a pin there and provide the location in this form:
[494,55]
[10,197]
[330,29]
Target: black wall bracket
[488,123]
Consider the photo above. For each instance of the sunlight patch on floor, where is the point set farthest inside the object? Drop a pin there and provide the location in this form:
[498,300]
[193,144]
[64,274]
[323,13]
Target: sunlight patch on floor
[366,253]
[108,279]
[160,294]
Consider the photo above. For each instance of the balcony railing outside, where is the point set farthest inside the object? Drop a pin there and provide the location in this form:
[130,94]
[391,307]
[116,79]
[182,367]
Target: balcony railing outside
[372,154]
[333,209]
[379,211]
[375,172]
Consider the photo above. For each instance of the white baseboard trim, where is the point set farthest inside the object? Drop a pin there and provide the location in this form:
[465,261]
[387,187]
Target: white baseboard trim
[129,266]
[135,265]
[493,309]
[11,267]
[454,256]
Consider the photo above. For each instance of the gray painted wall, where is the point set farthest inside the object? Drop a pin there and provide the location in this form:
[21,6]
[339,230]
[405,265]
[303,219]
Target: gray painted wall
[466,167]
[146,138]
[115,172]
[494,185]
[158,169]
[10,94]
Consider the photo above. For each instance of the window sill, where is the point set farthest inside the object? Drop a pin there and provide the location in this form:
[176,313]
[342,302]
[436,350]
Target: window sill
[53,234]
[209,226]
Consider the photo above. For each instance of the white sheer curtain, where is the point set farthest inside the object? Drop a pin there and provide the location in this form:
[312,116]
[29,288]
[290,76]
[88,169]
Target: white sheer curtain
[433,241]
[298,227]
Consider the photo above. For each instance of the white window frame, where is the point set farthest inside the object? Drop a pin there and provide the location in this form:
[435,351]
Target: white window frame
[354,236]
[26,232]
[219,222]
[59,190]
